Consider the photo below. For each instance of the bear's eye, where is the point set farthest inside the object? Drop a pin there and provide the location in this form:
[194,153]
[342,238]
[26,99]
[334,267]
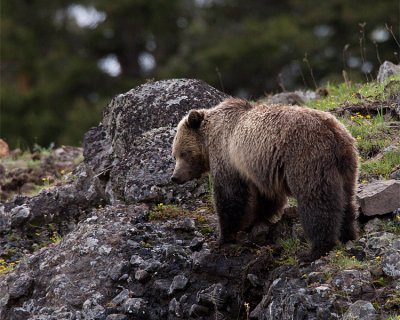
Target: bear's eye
[185,154]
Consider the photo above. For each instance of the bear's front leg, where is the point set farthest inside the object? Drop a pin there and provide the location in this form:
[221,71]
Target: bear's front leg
[231,198]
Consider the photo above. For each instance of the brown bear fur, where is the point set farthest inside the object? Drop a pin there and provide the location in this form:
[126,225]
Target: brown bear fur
[259,155]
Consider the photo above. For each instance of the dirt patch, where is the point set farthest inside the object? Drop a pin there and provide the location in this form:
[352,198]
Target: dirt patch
[25,173]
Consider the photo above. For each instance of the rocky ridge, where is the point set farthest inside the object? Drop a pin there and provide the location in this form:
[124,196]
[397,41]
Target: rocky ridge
[134,246]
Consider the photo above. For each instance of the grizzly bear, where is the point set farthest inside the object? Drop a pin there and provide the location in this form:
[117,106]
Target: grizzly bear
[259,155]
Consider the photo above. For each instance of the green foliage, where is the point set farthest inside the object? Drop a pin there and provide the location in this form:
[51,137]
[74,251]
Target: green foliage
[382,167]
[164,212]
[342,261]
[372,132]
[393,226]
[6,267]
[353,94]
[290,247]
[45,239]
[52,89]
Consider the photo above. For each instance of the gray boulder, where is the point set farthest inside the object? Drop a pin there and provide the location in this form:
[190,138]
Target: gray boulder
[379,197]
[391,262]
[386,70]
[128,154]
[360,310]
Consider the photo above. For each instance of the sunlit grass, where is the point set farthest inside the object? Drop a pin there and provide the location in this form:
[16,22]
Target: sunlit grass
[382,167]
[339,259]
[372,131]
[352,94]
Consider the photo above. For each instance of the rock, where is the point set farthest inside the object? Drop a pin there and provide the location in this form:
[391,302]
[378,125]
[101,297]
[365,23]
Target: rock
[215,296]
[161,287]
[19,215]
[379,197]
[323,290]
[136,260]
[121,297]
[286,98]
[91,309]
[21,286]
[298,97]
[59,206]
[151,265]
[196,244]
[187,224]
[353,282]
[315,277]
[178,283]
[374,225]
[289,297]
[135,307]
[5,219]
[72,272]
[175,308]
[132,162]
[117,316]
[118,270]
[4,150]
[379,242]
[360,310]
[386,70]
[254,280]
[197,311]
[142,275]
[391,262]
[395,174]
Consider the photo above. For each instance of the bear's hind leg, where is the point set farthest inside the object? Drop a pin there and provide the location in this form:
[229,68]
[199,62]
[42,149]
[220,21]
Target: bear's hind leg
[321,218]
[349,229]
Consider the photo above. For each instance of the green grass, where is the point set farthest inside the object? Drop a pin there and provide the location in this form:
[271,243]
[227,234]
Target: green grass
[290,247]
[79,159]
[164,212]
[343,93]
[394,225]
[342,261]
[6,267]
[382,167]
[372,132]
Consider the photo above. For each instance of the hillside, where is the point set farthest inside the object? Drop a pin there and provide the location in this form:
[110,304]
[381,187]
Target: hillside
[102,233]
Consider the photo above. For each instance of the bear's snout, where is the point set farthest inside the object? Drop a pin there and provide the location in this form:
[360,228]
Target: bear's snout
[176,180]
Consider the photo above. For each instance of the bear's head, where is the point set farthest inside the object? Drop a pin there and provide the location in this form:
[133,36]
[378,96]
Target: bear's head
[189,149]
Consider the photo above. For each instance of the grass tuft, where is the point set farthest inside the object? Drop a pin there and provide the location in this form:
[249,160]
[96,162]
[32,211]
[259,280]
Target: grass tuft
[290,247]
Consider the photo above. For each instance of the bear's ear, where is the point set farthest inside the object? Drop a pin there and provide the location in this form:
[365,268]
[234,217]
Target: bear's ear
[194,119]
